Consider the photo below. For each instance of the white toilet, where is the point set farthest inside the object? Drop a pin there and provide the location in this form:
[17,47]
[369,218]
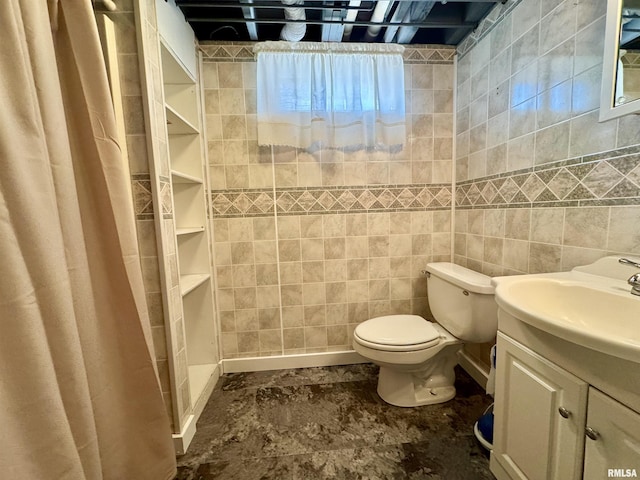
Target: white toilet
[417,357]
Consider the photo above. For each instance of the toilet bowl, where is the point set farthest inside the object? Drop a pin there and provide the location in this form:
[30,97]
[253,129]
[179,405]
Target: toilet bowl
[417,357]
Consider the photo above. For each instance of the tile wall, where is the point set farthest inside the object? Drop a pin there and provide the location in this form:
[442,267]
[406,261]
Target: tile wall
[158,148]
[310,243]
[145,124]
[542,186]
[631,62]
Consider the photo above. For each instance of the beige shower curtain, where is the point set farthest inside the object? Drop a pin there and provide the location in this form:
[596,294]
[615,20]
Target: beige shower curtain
[79,398]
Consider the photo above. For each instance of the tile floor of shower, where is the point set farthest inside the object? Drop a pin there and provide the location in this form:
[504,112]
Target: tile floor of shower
[329,423]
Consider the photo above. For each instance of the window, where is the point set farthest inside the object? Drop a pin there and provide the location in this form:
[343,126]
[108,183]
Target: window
[330,95]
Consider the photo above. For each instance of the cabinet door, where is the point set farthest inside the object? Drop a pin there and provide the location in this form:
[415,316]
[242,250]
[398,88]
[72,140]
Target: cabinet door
[540,414]
[615,451]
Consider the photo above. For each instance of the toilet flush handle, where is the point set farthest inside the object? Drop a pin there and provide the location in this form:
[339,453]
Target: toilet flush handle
[425,273]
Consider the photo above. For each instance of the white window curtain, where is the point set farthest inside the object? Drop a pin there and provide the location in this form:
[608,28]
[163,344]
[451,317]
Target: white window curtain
[330,95]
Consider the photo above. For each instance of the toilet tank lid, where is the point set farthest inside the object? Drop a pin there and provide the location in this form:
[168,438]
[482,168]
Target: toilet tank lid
[468,279]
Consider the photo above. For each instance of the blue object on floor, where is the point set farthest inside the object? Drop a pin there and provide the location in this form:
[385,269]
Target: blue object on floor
[483,428]
[485,425]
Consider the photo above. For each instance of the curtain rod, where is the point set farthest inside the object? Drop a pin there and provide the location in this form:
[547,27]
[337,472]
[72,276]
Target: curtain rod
[329,47]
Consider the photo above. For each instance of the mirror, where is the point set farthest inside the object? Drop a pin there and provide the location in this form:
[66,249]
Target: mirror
[621,63]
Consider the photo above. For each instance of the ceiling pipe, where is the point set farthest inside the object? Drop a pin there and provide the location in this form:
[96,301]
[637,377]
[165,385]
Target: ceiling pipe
[351,17]
[294,32]
[332,32]
[250,14]
[264,5]
[418,12]
[378,16]
[399,16]
[436,25]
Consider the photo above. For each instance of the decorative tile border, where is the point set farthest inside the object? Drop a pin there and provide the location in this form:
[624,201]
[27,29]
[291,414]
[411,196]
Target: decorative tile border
[142,199]
[611,178]
[429,54]
[242,203]
[330,200]
[243,52]
[486,25]
[227,51]
[631,59]
[165,197]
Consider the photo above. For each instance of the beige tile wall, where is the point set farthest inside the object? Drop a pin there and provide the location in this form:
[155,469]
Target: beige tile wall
[542,185]
[157,145]
[145,123]
[303,287]
[631,61]
[353,228]
[528,83]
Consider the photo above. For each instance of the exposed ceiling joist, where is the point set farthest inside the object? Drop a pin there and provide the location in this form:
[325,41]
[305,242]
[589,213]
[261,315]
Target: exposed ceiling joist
[309,4]
[418,12]
[398,17]
[329,22]
[274,5]
[333,32]
[377,18]
[249,13]
[352,13]
[394,21]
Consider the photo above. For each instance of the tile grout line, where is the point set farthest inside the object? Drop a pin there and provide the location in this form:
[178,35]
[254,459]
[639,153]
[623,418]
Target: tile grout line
[275,217]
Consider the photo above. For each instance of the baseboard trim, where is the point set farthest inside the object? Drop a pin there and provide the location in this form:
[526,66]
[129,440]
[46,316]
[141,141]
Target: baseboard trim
[182,440]
[326,359]
[282,362]
[497,469]
[201,402]
[476,370]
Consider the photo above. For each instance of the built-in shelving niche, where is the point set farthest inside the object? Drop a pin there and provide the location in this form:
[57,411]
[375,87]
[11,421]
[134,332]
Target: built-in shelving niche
[186,155]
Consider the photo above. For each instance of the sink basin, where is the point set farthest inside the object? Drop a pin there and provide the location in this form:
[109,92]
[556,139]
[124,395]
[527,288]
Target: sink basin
[595,311]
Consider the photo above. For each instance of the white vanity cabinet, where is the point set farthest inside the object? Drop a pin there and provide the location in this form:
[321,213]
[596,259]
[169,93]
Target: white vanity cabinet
[613,442]
[540,413]
[551,424]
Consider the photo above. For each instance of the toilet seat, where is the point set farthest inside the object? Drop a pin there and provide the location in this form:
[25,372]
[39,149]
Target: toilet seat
[397,333]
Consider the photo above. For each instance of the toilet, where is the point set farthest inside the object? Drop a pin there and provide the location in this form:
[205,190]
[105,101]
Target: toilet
[416,356]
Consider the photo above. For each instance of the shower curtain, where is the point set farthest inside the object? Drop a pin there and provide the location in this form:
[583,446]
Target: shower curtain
[79,398]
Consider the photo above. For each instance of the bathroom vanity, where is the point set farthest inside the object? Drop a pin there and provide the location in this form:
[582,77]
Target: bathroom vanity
[567,407]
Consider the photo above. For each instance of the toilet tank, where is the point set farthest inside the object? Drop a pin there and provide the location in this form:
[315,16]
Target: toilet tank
[462,301]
